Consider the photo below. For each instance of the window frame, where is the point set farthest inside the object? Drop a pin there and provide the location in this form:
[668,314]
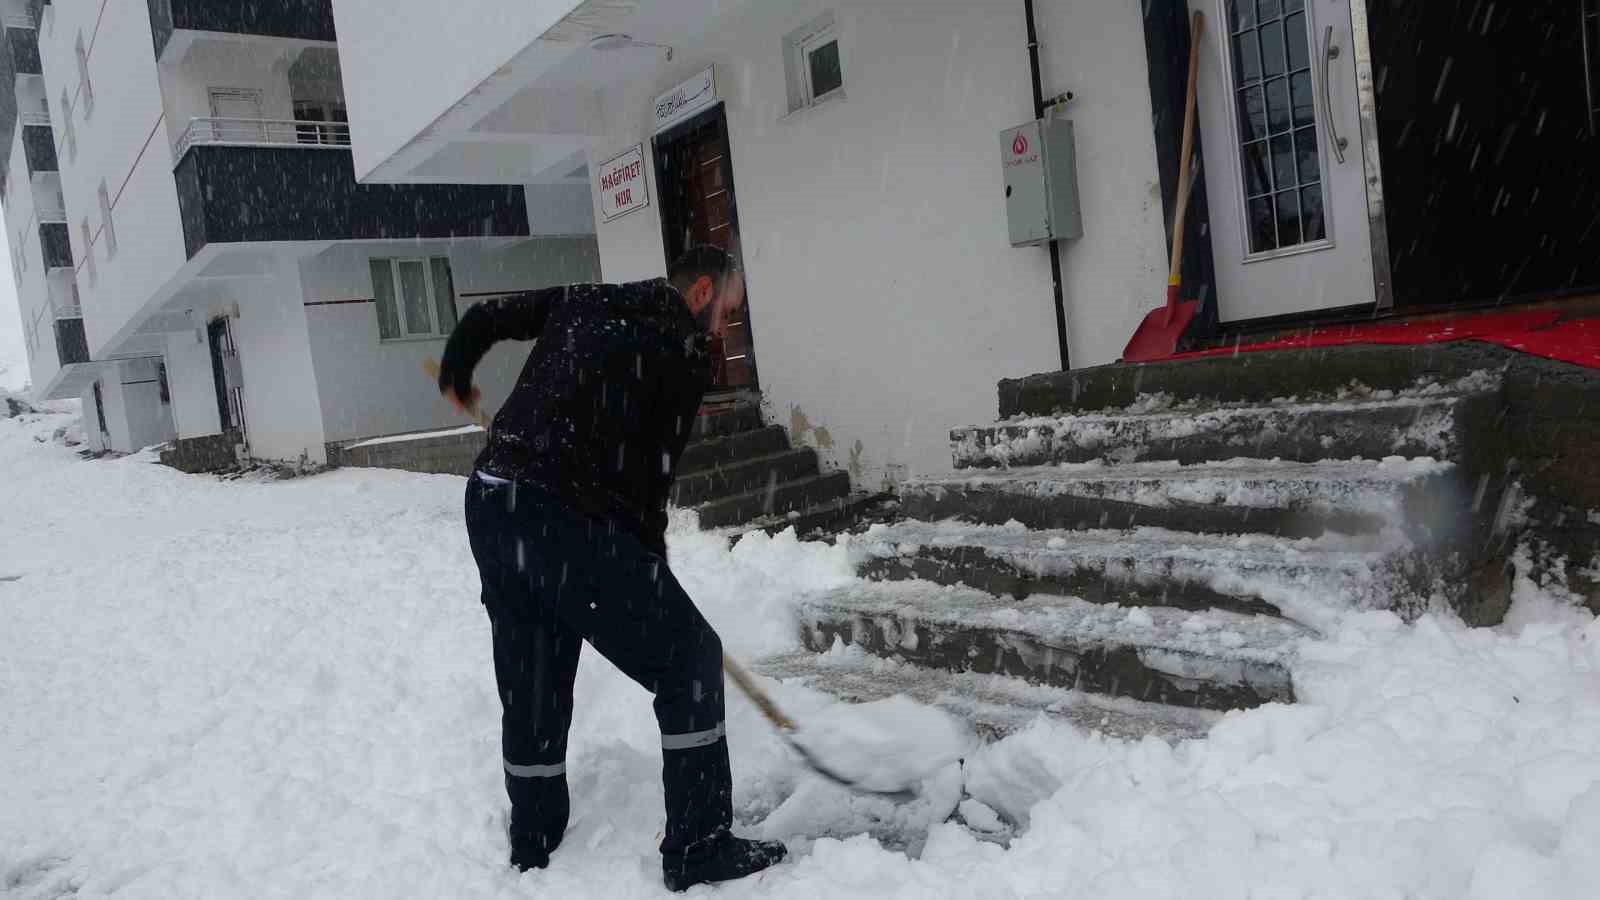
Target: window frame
[106,227]
[88,252]
[437,331]
[85,85]
[69,134]
[799,46]
[1589,30]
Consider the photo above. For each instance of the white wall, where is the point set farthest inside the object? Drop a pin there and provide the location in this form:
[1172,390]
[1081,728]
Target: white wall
[193,382]
[382,44]
[33,296]
[885,298]
[283,420]
[559,209]
[186,86]
[370,387]
[149,418]
[122,142]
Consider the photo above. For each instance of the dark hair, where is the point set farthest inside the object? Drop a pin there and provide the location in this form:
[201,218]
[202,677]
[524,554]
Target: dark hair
[701,261]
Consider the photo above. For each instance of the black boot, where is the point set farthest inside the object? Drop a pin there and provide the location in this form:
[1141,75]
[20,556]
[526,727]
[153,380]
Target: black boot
[721,857]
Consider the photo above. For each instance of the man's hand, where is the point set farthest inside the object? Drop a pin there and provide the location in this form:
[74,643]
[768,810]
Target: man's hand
[456,389]
[468,404]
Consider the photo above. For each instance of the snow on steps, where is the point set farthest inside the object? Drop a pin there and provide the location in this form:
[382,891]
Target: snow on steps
[1250,574]
[995,705]
[1242,496]
[1426,422]
[1212,659]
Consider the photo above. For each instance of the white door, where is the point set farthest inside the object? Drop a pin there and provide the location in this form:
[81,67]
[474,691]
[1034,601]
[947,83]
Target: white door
[1283,165]
[239,110]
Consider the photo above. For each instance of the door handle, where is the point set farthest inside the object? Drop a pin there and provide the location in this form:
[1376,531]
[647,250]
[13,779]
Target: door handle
[1330,53]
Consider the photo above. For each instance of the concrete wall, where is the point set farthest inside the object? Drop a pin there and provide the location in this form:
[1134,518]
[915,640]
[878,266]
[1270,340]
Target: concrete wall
[283,420]
[149,417]
[369,387]
[384,44]
[121,142]
[193,381]
[33,296]
[885,299]
[186,86]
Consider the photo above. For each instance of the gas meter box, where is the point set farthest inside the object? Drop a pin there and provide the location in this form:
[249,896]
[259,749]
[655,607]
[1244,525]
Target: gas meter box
[1041,175]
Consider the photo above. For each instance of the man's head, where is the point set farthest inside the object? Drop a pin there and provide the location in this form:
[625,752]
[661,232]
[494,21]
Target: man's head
[711,284]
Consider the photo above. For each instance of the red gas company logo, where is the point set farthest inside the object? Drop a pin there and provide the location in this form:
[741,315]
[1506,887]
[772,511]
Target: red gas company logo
[1020,145]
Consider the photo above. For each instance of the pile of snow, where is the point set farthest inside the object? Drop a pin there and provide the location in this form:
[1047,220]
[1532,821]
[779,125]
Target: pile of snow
[12,405]
[284,688]
[886,746]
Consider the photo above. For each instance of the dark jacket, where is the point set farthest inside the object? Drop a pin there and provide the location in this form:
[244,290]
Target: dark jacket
[606,401]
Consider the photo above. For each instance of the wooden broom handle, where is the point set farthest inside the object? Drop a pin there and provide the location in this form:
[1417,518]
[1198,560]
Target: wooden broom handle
[1181,210]
[431,367]
[748,685]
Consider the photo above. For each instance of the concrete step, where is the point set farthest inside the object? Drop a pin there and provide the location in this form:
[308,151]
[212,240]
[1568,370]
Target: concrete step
[1432,424]
[777,499]
[824,521]
[721,421]
[720,451]
[995,705]
[1422,498]
[744,476]
[451,451]
[1213,659]
[1248,574]
[1327,373]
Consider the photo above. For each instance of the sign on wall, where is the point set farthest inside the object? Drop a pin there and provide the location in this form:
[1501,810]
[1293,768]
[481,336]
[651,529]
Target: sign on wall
[686,99]
[621,183]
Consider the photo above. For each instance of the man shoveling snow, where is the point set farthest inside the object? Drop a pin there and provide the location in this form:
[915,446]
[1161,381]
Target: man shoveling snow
[567,515]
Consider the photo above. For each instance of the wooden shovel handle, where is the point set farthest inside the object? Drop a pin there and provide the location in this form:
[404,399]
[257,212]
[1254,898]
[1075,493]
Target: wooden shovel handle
[431,367]
[1180,211]
[748,685]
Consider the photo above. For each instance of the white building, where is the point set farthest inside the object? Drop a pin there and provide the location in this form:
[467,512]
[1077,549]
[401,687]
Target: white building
[862,138]
[195,257]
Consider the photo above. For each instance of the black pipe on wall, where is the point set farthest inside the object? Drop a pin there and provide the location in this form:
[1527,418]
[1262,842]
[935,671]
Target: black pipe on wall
[1055,248]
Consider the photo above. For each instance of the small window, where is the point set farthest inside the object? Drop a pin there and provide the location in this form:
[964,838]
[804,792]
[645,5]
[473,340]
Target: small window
[88,253]
[161,381]
[416,298]
[85,86]
[108,231]
[69,138]
[816,69]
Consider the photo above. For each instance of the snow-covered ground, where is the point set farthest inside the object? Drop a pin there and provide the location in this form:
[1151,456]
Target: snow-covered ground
[283,689]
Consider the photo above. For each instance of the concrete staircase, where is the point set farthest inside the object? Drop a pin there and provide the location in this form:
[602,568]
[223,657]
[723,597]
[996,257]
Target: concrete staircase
[737,471]
[1153,551]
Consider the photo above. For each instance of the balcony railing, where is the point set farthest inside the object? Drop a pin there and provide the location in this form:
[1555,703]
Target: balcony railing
[35,118]
[261,133]
[51,214]
[18,21]
[68,311]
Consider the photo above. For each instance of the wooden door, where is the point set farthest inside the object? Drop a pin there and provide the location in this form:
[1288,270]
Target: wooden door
[694,174]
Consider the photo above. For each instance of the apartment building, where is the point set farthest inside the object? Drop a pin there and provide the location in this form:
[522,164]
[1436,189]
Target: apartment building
[195,258]
[1355,160]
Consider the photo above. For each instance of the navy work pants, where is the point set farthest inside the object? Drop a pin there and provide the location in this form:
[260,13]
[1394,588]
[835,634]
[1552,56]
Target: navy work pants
[553,578]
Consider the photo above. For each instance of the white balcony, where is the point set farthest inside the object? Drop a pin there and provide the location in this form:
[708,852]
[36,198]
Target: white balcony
[50,213]
[18,20]
[66,311]
[35,118]
[261,133]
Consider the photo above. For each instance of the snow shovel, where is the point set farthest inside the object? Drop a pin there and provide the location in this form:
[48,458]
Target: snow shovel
[886,747]
[1158,335]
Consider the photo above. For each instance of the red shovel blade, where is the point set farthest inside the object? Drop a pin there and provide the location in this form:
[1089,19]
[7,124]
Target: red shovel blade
[1158,335]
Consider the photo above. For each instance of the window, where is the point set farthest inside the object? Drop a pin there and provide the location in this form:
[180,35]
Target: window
[68,137]
[107,229]
[161,381]
[816,71]
[1278,129]
[88,253]
[416,298]
[85,86]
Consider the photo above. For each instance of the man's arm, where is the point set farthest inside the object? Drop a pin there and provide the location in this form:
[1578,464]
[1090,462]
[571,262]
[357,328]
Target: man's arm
[514,317]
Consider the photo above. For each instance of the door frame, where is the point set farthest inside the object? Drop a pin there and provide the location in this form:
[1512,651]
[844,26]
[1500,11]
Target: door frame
[660,145]
[1375,220]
